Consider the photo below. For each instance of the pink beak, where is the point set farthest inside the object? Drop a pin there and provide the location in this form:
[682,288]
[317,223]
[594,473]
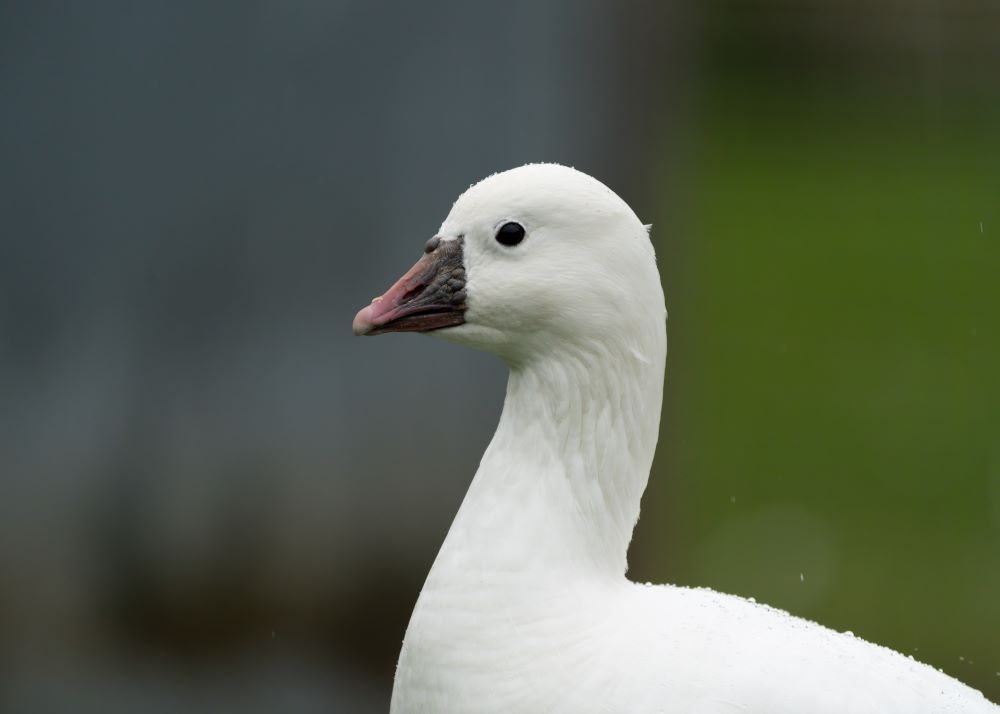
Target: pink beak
[430,296]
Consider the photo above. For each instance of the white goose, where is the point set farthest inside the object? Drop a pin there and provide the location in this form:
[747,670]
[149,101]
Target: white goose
[527,608]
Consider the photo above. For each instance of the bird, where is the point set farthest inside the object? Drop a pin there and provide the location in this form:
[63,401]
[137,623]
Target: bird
[527,607]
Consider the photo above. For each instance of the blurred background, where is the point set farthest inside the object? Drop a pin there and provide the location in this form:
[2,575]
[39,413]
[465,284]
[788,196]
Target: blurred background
[213,497]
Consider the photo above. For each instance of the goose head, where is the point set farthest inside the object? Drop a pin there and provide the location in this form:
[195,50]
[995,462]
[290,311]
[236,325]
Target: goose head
[528,261]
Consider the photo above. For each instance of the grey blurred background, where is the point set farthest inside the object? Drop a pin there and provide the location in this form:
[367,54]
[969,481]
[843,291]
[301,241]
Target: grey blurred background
[213,497]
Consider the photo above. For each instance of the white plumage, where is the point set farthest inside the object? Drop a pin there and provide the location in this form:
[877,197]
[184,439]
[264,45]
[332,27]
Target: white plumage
[527,608]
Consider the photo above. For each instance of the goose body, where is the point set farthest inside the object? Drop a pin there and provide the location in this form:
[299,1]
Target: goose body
[527,607]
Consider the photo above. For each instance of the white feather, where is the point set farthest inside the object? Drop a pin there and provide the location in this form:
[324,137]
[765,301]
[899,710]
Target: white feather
[527,608]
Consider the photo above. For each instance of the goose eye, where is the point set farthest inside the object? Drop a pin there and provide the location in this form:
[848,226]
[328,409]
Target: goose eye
[510,234]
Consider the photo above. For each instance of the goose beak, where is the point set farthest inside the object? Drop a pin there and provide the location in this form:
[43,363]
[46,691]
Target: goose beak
[431,295]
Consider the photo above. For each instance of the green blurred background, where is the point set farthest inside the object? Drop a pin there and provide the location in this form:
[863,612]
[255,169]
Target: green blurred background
[831,443]
[214,498]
